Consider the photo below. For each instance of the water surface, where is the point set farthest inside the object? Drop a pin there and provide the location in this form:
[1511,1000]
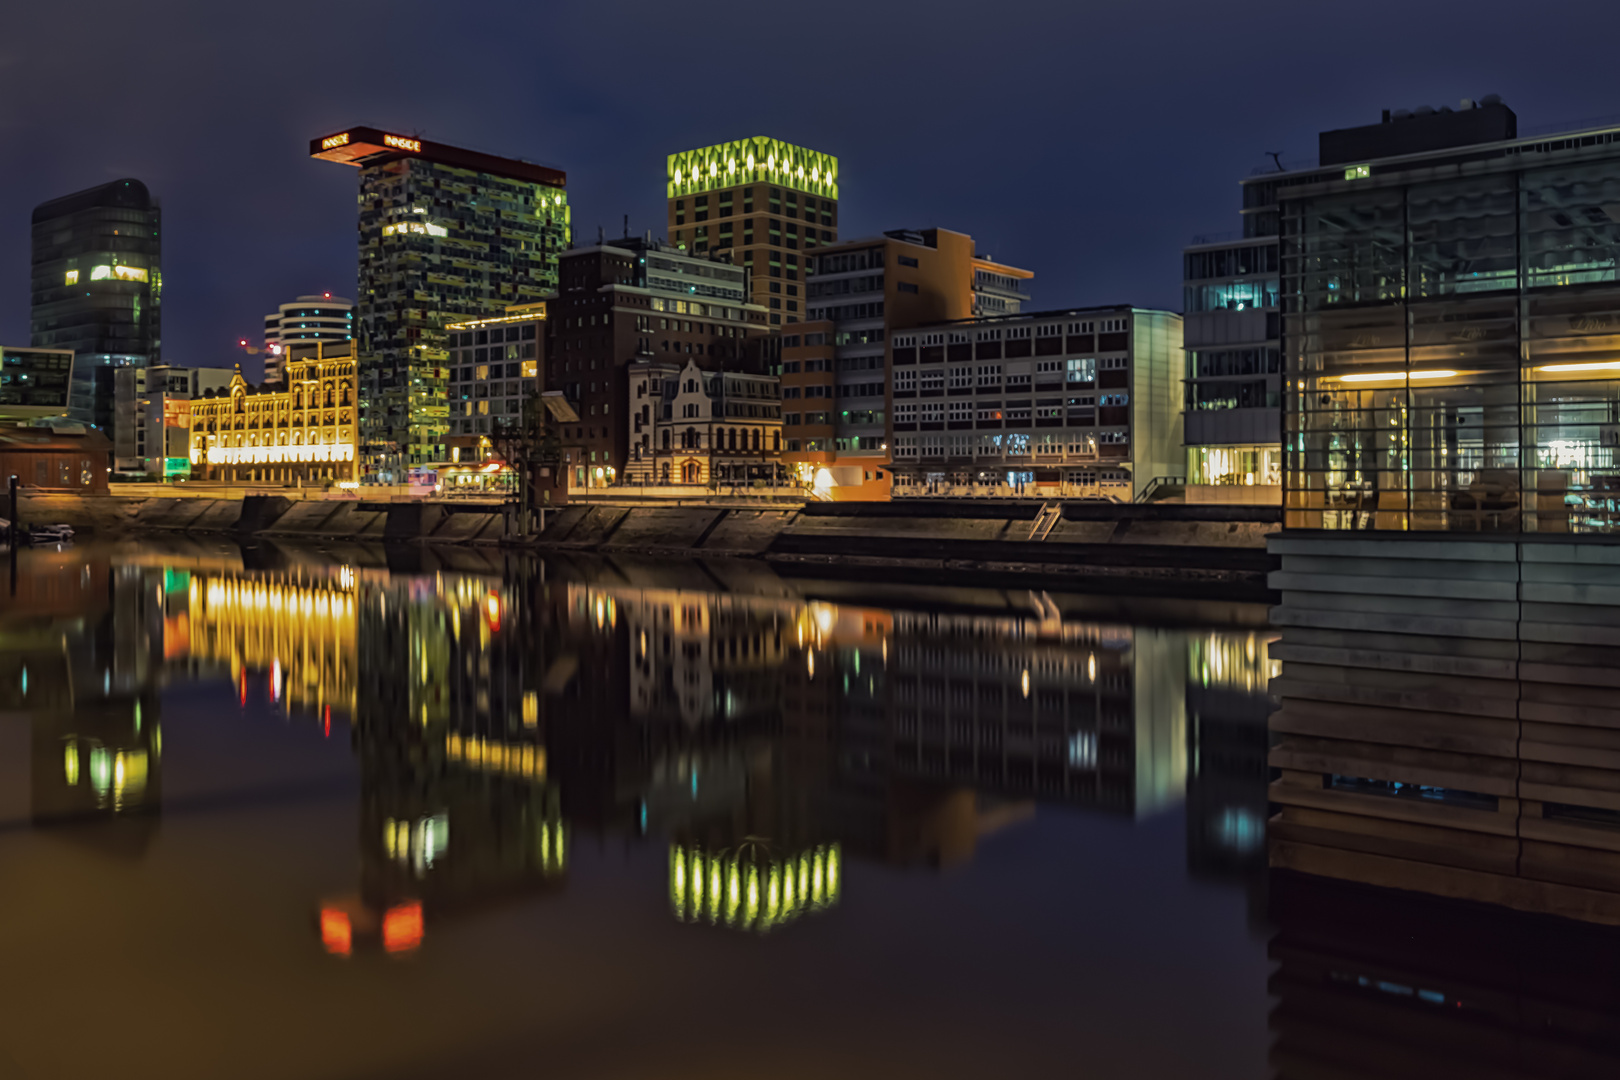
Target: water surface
[348,812]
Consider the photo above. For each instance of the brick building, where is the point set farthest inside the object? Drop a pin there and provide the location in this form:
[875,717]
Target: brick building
[639,300]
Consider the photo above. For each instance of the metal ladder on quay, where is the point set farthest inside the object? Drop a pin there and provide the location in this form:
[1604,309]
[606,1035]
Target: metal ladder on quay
[1051,513]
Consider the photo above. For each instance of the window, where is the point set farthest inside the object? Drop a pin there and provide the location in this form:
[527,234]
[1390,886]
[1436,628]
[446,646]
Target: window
[905,414]
[906,287]
[907,260]
[933,380]
[961,377]
[905,381]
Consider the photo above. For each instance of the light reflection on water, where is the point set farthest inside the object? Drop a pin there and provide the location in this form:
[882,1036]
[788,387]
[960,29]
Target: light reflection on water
[441,804]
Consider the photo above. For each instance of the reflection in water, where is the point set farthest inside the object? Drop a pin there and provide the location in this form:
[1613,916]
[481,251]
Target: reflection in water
[774,752]
[762,735]
[1456,764]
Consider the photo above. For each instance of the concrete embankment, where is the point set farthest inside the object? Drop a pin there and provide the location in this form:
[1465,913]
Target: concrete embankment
[915,539]
[1147,546]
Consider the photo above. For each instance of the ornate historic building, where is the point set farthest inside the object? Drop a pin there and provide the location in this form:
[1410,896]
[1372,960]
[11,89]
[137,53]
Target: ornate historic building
[305,432]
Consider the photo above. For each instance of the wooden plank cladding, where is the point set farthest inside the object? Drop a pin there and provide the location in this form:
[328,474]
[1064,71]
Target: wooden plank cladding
[1447,718]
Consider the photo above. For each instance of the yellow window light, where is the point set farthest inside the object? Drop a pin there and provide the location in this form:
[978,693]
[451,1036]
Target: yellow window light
[1387,376]
[1596,365]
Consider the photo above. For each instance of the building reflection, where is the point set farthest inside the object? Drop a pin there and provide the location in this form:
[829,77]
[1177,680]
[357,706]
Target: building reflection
[78,661]
[767,743]
[1228,704]
[294,629]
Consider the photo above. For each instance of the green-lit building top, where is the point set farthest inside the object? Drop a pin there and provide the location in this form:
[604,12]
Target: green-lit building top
[761,159]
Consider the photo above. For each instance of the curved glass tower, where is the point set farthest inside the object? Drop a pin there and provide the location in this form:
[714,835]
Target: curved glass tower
[97,285]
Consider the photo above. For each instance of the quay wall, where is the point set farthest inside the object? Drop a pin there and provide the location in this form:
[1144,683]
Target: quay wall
[1143,542]
[1448,717]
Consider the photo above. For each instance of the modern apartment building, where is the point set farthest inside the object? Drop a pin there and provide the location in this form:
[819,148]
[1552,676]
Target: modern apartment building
[315,317]
[1451,326]
[637,300]
[97,287]
[305,431]
[446,235]
[34,383]
[1233,367]
[835,368]
[151,426]
[690,425]
[495,366]
[1084,402]
[764,202]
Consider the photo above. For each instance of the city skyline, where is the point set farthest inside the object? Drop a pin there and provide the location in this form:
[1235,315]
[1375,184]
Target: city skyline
[221,144]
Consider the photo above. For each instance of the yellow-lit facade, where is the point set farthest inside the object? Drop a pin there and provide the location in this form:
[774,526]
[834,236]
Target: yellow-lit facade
[305,433]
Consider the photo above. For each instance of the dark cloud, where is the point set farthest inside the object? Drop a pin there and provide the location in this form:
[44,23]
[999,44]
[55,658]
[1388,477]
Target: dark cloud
[1084,141]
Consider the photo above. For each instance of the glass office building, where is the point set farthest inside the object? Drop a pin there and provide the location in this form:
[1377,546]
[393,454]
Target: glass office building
[446,235]
[1451,327]
[34,382]
[97,287]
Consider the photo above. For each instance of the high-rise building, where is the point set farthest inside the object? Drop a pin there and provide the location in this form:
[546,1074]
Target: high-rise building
[764,202]
[1083,402]
[630,300]
[97,287]
[1451,326]
[835,367]
[316,317]
[445,235]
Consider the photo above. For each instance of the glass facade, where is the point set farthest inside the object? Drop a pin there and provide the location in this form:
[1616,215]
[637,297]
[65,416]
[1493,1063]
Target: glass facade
[1233,379]
[1235,466]
[96,287]
[34,382]
[439,244]
[1452,340]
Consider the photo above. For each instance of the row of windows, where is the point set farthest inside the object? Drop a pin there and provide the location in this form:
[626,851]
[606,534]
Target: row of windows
[526,332]
[1007,444]
[1082,369]
[1012,333]
[936,412]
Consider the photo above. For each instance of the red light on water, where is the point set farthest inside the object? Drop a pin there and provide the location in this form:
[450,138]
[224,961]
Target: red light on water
[327,718]
[402,927]
[337,935]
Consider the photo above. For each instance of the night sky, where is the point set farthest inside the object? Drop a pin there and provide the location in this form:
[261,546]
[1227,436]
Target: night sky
[1087,142]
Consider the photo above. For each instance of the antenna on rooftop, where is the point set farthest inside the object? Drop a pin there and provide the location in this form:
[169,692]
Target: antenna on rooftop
[1276,156]
[627,226]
